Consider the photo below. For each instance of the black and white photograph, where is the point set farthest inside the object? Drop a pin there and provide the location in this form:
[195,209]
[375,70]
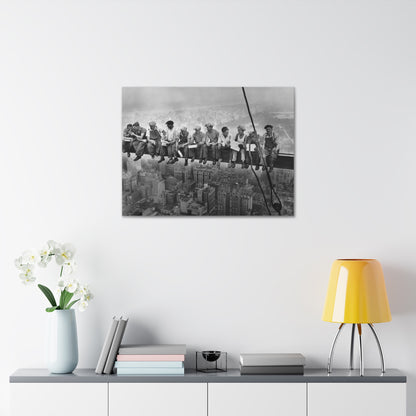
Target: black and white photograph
[208,151]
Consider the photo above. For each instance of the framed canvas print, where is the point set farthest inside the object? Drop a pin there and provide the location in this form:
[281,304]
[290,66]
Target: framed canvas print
[208,151]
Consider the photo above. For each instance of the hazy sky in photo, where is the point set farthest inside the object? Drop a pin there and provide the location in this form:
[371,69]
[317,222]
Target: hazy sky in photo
[165,98]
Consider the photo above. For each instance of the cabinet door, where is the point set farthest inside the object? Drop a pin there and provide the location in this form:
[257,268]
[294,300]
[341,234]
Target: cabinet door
[257,399]
[358,399]
[158,399]
[63,399]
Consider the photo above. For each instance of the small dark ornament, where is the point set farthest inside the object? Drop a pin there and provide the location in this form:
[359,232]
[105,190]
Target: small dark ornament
[211,356]
[211,361]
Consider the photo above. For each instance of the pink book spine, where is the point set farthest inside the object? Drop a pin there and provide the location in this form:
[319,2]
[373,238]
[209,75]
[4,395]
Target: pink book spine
[150,358]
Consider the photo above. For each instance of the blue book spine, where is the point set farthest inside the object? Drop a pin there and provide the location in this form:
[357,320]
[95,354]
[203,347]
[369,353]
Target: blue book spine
[148,364]
[151,371]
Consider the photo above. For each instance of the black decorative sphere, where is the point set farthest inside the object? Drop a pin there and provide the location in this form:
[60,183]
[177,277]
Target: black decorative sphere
[211,356]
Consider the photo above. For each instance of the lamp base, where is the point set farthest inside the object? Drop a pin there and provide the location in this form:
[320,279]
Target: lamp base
[359,328]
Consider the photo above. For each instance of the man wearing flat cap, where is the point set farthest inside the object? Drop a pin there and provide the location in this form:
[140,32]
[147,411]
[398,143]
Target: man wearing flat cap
[154,139]
[139,139]
[212,137]
[270,144]
[238,144]
[224,145]
[169,143]
[182,145]
[127,139]
[198,138]
[252,150]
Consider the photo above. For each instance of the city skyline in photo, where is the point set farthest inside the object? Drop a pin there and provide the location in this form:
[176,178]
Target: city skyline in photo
[200,190]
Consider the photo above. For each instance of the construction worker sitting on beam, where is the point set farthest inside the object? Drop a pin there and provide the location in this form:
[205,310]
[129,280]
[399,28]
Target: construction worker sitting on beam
[270,146]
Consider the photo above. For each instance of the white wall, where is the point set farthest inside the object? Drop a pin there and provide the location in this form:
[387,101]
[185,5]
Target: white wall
[184,280]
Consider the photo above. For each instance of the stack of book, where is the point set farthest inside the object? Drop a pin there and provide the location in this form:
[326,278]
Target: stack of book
[151,360]
[278,364]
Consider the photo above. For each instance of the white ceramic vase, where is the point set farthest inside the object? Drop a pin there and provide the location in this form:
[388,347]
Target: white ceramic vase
[62,343]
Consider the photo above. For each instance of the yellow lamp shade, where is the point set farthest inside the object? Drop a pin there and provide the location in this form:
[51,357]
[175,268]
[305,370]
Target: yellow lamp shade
[356,293]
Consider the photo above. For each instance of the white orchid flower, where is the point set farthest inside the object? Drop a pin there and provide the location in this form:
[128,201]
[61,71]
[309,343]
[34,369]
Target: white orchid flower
[72,286]
[45,256]
[19,263]
[82,305]
[69,267]
[26,273]
[89,296]
[64,253]
[61,285]
[27,280]
[85,293]
[27,276]
[52,246]
[82,290]
[27,269]
[45,251]
[30,257]
[44,262]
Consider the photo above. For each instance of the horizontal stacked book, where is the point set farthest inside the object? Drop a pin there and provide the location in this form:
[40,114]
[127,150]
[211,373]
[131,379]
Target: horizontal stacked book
[277,364]
[151,360]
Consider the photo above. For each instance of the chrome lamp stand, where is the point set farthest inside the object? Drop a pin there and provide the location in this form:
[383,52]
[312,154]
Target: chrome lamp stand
[331,352]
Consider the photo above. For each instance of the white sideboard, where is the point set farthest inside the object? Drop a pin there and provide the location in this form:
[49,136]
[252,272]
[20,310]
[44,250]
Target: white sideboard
[63,399]
[249,399]
[38,393]
[358,399]
[182,399]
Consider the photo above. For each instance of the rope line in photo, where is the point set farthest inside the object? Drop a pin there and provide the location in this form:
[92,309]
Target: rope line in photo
[278,204]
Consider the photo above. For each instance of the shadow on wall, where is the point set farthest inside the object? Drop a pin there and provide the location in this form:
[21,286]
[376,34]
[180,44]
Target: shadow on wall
[139,333]
[402,282]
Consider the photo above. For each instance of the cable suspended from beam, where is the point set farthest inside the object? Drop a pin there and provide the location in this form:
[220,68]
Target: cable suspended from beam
[277,205]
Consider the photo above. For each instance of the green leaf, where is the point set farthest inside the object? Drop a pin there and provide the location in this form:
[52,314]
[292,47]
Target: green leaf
[72,304]
[49,295]
[62,299]
[51,309]
[65,298]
